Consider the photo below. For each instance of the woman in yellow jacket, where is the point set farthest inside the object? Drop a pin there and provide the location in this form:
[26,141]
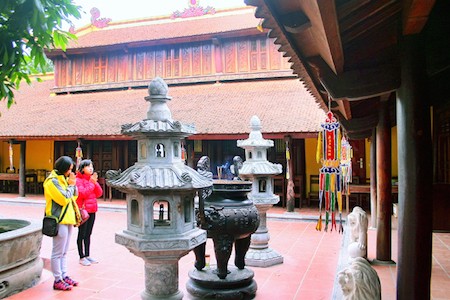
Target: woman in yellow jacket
[60,193]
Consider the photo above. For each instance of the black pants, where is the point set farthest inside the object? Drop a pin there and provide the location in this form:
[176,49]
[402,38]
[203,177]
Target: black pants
[84,236]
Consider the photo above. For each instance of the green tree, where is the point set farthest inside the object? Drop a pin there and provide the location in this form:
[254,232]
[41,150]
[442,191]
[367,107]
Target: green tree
[27,28]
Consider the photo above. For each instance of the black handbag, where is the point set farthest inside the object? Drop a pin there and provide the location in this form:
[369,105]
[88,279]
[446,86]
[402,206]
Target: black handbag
[50,224]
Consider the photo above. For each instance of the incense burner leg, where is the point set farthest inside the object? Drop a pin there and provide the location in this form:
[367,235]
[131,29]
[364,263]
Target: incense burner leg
[241,248]
[200,252]
[222,248]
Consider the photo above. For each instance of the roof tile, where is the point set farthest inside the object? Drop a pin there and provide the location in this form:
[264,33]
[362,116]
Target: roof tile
[167,29]
[220,108]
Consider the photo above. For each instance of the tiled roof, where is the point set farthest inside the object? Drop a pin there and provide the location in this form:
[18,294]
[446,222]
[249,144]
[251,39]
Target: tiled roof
[283,106]
[162,29]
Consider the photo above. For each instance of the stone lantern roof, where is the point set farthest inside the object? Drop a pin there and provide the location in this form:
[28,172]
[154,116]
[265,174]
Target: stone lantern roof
[255,138]
[158,173]
[255,146]
[159,120]
[144,177]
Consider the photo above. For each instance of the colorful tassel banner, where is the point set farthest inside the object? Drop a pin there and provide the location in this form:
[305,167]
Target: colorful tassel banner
[330,177]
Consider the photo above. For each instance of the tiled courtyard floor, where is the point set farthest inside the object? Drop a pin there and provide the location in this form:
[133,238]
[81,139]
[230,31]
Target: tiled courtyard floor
[308,272]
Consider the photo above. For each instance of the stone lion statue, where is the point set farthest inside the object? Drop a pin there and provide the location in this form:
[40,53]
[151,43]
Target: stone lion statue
[360,281]
[358,223]
[203,166]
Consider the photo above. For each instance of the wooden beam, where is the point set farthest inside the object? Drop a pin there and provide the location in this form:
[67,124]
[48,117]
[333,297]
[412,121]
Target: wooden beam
[415,15]
[344,108]
[362,83]
[358,135]
[349,7]
[295,22]
[367,19]
[366,123]
[328,14]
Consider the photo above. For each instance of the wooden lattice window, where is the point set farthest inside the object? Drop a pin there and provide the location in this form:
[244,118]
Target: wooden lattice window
[100,63]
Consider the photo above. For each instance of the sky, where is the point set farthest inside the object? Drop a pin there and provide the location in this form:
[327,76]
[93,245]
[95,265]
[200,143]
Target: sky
[135,9]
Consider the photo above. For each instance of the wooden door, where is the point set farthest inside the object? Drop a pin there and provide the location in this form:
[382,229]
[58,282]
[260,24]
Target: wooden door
[359,160]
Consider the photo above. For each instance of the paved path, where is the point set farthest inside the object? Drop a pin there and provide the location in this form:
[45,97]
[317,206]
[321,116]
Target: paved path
[311,258]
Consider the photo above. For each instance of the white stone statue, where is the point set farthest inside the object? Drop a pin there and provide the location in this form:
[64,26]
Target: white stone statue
[358,224]
[360,281]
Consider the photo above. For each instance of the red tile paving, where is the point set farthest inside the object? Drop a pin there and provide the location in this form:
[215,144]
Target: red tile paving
[308,272]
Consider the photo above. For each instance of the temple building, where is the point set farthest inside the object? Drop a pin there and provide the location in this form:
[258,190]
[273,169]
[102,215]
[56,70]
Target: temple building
[221,67]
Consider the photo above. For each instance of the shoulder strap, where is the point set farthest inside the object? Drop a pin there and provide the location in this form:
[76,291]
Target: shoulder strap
[64,213]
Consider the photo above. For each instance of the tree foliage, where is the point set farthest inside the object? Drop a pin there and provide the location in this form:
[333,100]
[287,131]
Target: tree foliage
[27,28]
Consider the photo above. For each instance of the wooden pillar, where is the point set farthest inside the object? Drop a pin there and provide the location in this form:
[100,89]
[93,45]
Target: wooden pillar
[22,171]
[384,185]
[190,153]
[415,174]
[299,160]
[373,179]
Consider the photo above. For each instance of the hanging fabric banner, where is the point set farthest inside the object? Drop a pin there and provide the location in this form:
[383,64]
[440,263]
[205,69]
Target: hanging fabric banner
[290,193]
[11,154]
[288,158]
[346,165]
[78,155]
[330,176]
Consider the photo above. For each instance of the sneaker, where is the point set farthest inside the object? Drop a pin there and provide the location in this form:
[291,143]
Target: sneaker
[70,281]
[85,262]
[91,260]
[61,285]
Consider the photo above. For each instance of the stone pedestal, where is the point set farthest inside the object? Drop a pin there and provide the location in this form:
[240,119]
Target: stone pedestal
[160,191]
[259,253]
[161,279]
[161,256]
[260,171]
[204,284]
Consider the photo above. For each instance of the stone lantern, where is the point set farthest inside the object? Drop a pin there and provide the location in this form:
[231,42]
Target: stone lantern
[160,191]
[257,169]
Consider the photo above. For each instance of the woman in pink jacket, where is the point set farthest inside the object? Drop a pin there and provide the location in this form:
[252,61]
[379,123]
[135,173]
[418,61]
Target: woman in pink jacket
[88,192]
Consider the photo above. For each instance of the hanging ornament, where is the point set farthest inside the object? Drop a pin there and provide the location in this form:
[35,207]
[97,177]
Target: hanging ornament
[11,162]
[346,165]
[330,176]
[288,158]
[260,26]
[78,155]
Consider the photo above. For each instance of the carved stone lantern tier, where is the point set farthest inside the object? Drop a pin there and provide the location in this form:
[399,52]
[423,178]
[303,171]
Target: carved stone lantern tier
[154,128]
[144,177]
[160,191]
[259,168]
[261,172]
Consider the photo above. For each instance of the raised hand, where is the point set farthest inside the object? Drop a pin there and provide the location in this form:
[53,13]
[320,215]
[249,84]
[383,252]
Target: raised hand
[72,179]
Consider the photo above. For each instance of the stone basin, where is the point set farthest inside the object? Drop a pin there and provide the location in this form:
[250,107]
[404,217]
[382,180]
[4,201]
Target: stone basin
[20,264]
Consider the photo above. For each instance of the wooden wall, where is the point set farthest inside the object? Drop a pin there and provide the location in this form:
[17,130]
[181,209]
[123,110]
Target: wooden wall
[228,56]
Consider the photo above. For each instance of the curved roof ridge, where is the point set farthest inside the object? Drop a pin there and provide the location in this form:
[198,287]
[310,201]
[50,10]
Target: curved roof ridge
[166,19]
